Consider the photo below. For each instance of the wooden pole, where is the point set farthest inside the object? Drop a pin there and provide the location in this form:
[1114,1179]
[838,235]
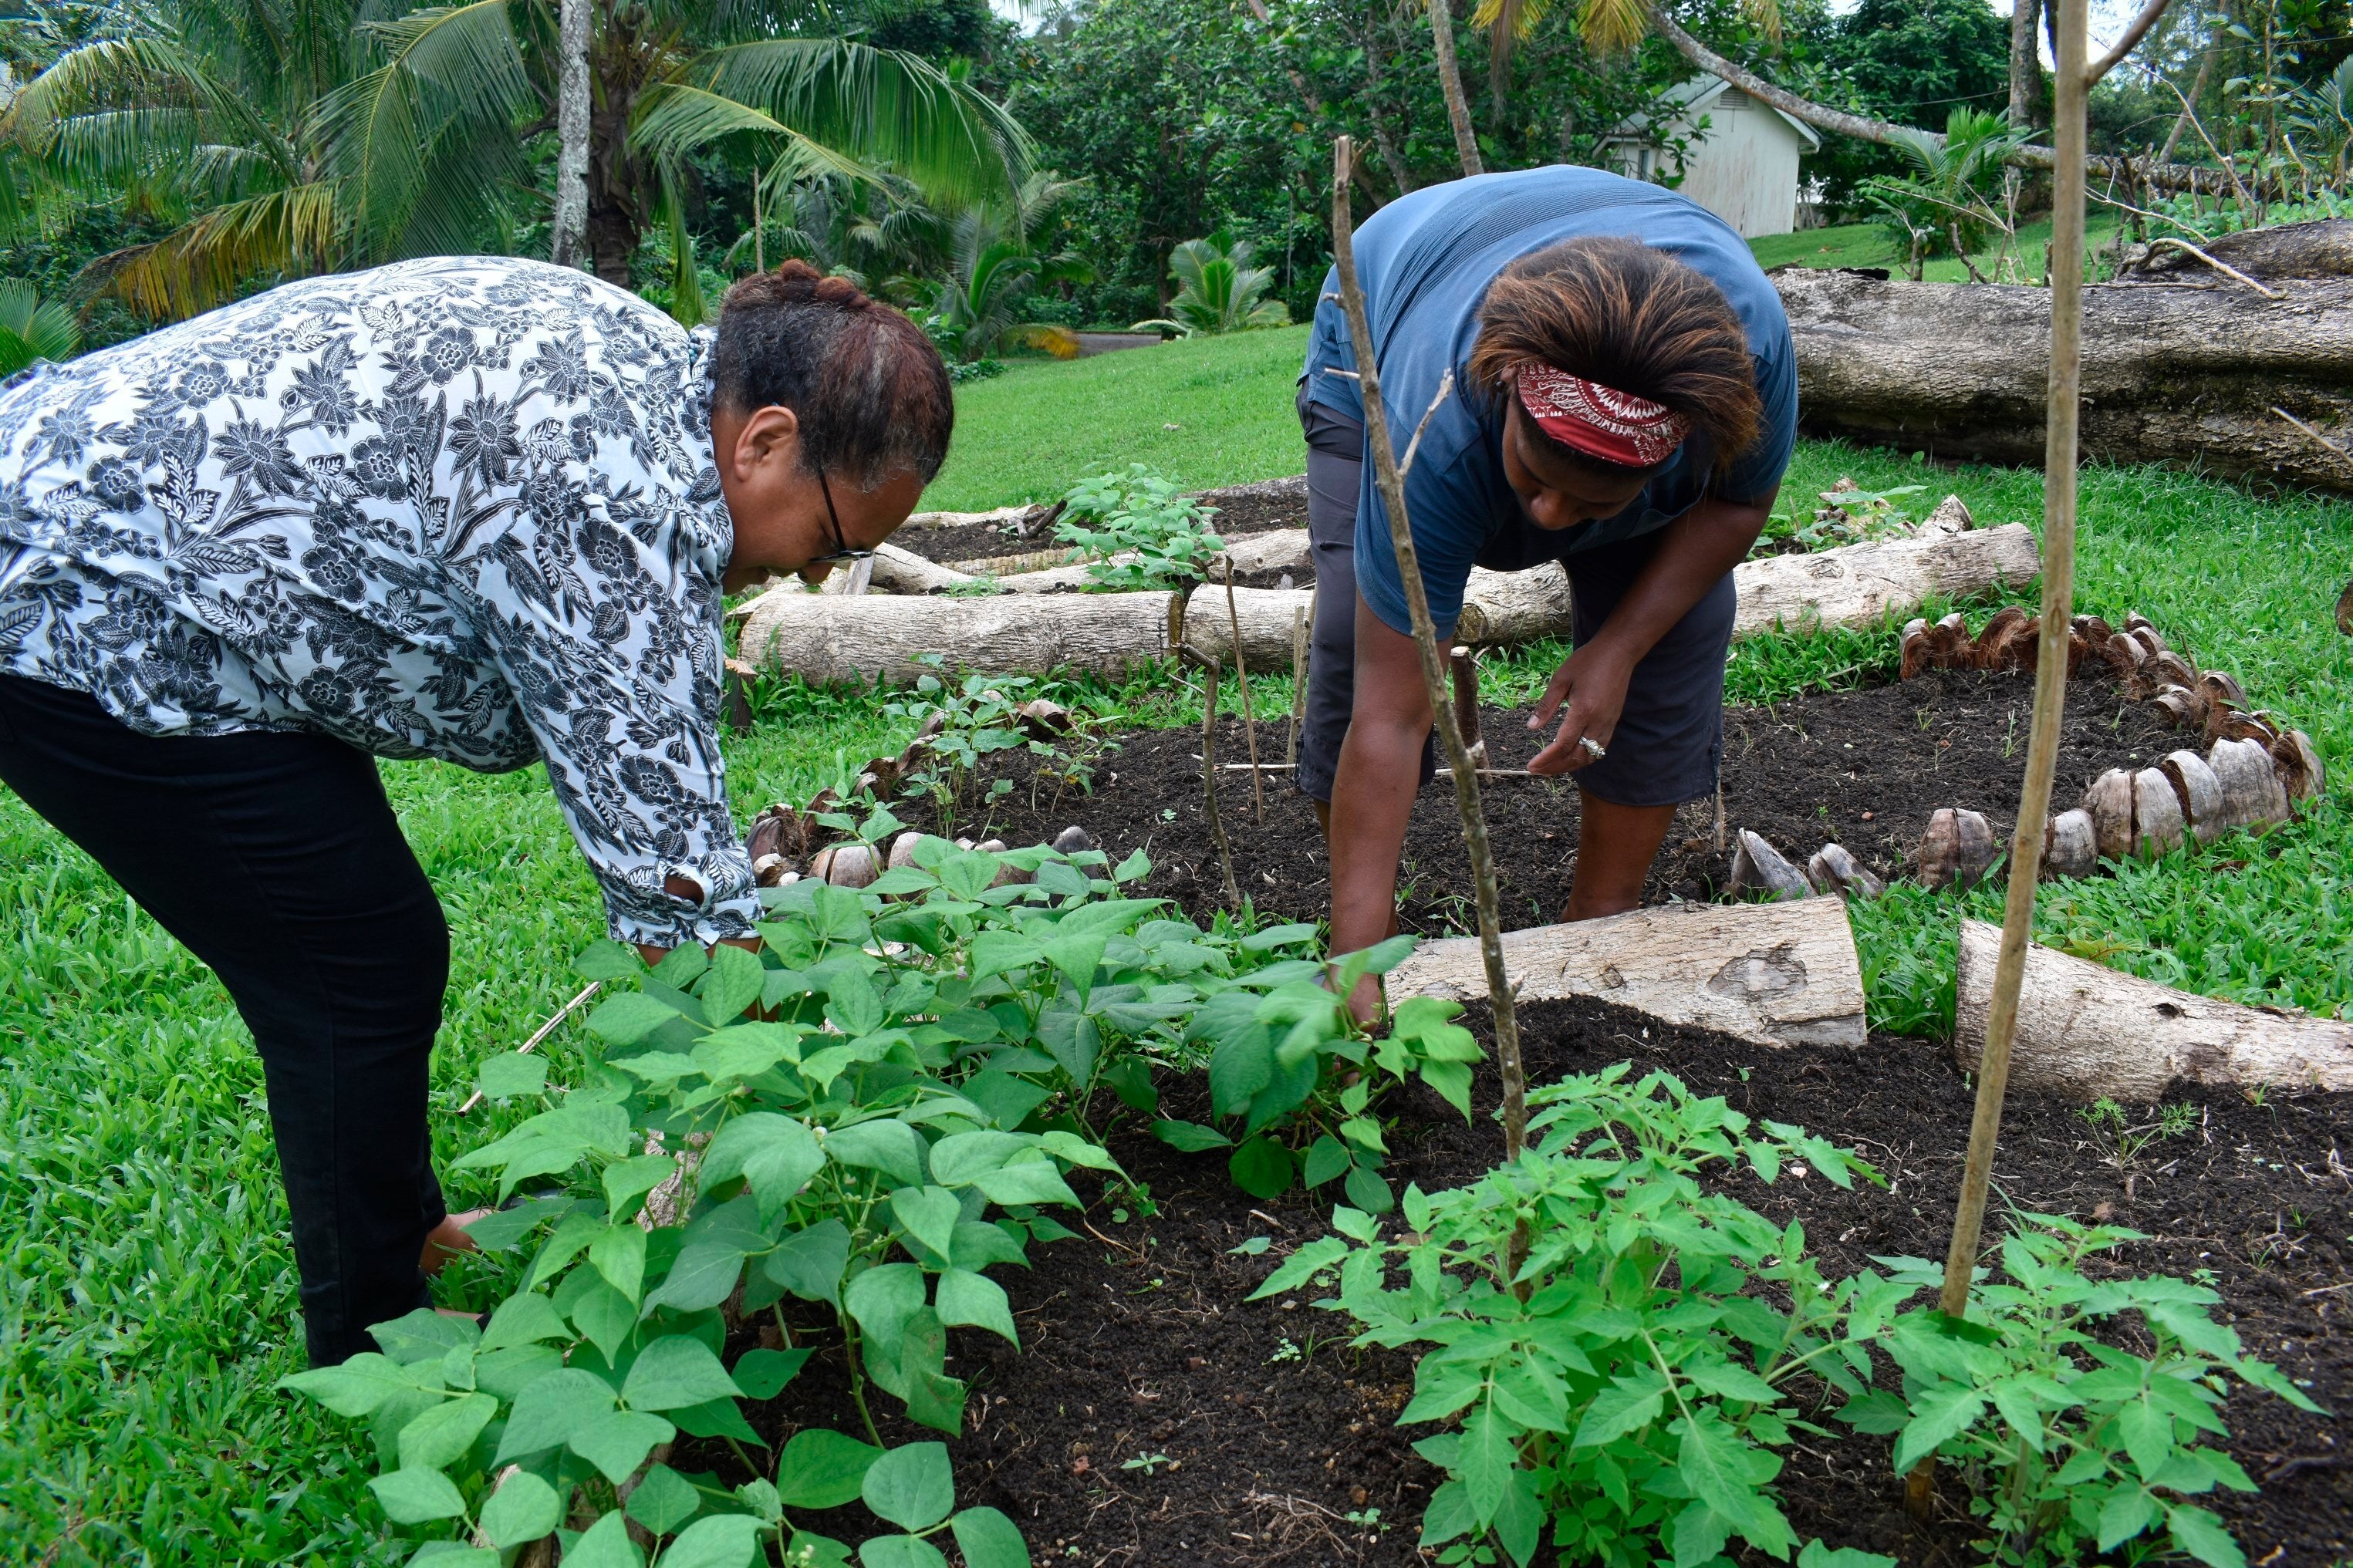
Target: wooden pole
[1210,674]
[1241,683]
[545,1030]
[1298,681]
[1392,480]
[1463,665]
[2066,269]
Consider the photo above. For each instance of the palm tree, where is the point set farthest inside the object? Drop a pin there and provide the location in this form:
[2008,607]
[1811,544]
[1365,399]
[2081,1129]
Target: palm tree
[299,135]
[994,269]
[32,328]
[1218,290]
[1449,83]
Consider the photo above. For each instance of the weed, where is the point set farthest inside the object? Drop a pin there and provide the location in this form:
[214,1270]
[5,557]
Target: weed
[1147,1463]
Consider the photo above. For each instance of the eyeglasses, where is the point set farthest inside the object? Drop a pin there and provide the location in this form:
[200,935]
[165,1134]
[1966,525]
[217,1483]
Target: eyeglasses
[842,551]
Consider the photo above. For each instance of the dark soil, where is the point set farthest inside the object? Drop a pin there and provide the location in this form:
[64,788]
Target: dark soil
[1137,1341]
[1864,768]
[1242,508]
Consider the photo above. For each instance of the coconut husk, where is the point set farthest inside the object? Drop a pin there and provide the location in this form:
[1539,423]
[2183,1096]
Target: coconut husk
[1958,849]
[2071,846]
[1833,870]
[2199,795]
[1757,866]
[2109,804]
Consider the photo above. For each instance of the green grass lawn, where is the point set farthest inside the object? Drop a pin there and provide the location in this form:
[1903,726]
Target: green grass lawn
[146,1290]
[1866,244]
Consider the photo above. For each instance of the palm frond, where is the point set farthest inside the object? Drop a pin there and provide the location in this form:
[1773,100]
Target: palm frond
[32,328]
[874,106]
[1611,26]
[135,73]
[204,262]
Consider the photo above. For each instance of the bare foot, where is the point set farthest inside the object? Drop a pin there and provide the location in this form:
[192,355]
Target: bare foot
[448,1239]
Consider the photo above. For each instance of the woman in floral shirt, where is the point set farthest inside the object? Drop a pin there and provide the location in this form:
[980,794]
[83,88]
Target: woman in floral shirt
[475,509]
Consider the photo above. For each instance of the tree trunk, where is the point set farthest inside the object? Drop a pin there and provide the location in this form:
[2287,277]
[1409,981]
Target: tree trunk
[2087,1032]
[619,186]
[1449,83]
[572,112]
[1779,974]
[2025,65]
[2186,369]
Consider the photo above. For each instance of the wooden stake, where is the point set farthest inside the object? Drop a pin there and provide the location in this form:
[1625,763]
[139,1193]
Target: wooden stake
[545,1030]
[1433,663]
[2058,451]
[1241,681]
[1210,673]
[1298,681]
[1463,665]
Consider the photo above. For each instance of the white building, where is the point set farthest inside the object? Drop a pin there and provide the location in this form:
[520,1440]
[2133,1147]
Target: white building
[1742,163]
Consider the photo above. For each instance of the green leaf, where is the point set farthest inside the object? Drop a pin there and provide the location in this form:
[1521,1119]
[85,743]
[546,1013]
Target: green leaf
[823,1469]
[1626,1405]
[2148,1436]
[809,1262]
[1303,1266]
[509,1074]
[2204,1536]
[1712,1464]
[1937,1415]
[1261,1168]
[1189,1136]
[524,1508]
[354,1388]
[605,1544]
[664,1501]
[722,1541]
[626,1019]
[1485,1460]
[1037,1181]
[618,1441]
[901,1552]
[445,1432]
[988,1539]
[1699,1534]
[417,1497]
[1326,1158]
[1814,1554]
[853,1005]
[911,1486]
[2127,1512]
[547,1413]
[523,1320]
[886,1145]
[929,1214]
[762,1373]
[1273,937]
[1880,1411]
[1731,1382]
[674,1371]
[884,1298]
[716,1418]
[732,985]
[604,1315]
[620,1255]
[957,1158]
[706,1274]
[1367,1191]
[605,959]
[975,1300]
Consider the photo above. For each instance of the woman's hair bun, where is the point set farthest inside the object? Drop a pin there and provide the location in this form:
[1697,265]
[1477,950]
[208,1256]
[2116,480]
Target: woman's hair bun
[794,282]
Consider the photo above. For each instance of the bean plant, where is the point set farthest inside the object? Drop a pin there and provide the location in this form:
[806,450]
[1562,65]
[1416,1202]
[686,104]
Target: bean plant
[966,724]
[1139,514]
[2074,1446]
[867,1114]
[1591,1336]
[1303,1076]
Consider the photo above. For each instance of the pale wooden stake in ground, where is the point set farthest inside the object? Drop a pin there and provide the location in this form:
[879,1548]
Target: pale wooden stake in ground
[2073,86]
[1298,681]
[1241,684]
[545,1030]
[1391,479]
[1210,674]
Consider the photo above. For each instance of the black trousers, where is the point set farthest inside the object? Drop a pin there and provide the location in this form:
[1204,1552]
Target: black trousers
[277,860]
[1669,737]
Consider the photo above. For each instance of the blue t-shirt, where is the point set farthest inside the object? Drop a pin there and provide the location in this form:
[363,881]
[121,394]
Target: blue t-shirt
[1425,262]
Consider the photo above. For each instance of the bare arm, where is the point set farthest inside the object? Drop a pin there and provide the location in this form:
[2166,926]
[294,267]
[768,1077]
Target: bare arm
[1698,549]
[1372,796]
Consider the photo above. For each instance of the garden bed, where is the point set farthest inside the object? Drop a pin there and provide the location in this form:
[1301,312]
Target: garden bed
[1862,768]
[1138,1340]
[1240,509]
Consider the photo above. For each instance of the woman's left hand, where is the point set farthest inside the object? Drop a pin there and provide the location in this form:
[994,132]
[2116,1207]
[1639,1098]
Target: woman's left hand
[1589,692]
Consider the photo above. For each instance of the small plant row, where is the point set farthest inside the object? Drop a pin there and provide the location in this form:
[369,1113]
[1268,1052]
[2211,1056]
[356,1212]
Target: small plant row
[866,1115]
[1619,1353]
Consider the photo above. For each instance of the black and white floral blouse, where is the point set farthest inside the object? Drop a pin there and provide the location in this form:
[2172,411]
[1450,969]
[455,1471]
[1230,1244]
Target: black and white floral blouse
[459,508]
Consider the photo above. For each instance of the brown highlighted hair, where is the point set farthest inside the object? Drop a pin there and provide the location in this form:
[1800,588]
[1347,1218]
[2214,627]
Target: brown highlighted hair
[1621,313]
[870,389]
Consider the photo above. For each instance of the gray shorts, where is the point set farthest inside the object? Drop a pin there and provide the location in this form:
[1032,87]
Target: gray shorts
[1670,736]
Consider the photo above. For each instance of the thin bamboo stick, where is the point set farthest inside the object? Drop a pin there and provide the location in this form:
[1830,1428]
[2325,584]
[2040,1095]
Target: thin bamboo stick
[1241,684]
[545,1030]
[1392,480]
[2059,455]
[1298,681]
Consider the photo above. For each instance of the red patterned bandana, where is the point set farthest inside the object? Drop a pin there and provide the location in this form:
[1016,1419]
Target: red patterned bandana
[1599,421]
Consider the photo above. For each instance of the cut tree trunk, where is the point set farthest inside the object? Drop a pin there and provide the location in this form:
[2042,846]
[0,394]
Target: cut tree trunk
[1779,974]
[2087,1032]
[2187,369]
[825,639]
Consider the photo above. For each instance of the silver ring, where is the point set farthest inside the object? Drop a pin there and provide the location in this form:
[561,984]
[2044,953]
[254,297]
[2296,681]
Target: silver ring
[1593,748]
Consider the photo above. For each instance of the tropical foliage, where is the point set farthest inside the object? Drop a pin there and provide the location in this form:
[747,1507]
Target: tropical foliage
[32,328]
[1947,203]
[1218,290]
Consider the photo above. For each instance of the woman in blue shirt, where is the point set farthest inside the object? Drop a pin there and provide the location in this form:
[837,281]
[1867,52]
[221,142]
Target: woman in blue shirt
[1623,400]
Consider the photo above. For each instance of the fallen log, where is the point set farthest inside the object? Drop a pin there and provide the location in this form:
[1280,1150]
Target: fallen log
[2087,1032]
[1779,974]
[1277,550]
[1856,585]
[898,570]
[2186,368]
[828,641]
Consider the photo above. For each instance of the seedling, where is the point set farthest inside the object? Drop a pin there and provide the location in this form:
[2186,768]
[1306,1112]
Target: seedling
[1147,1463]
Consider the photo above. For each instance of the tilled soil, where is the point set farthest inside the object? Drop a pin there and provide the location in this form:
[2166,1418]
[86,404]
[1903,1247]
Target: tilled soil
[1137,1342]
[1243,509]
[1864,768]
